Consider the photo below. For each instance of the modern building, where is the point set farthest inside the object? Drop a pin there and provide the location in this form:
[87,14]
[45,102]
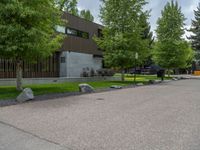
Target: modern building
[79,53]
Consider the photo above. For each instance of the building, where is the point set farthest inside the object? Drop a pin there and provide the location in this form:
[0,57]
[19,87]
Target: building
[79,53]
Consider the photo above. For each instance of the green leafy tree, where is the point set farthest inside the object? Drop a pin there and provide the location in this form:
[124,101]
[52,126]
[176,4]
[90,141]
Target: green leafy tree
[195,29]
[69,6]
[27,31]
[86,14]
[147,34]
[171,50]
[122,35]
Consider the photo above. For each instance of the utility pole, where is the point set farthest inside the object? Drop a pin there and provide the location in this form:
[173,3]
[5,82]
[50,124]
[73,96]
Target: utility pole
[136,58]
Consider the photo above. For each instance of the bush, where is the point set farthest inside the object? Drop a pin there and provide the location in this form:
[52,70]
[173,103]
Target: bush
[169,72]
[105,72]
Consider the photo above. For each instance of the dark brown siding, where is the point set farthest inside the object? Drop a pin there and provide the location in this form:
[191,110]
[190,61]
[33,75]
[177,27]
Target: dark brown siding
[78,44]
[48,67]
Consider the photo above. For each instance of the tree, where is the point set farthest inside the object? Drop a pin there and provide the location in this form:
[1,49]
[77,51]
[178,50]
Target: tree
[27,31]
[195,29]
[69,6]
[86,14]
[171,50]
[122,34]
[147,34]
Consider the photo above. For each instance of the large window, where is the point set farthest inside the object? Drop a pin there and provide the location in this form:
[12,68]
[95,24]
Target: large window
[71,32]
[78,33]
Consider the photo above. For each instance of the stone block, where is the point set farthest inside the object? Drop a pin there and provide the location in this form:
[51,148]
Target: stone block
[86,88]
[26,95]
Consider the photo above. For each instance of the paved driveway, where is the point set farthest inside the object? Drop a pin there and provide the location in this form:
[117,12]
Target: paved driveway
[161,117]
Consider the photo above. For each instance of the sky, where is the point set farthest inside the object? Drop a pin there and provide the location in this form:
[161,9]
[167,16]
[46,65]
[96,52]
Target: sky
[154,5]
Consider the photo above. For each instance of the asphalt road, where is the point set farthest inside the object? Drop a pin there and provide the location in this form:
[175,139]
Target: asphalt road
[161,117]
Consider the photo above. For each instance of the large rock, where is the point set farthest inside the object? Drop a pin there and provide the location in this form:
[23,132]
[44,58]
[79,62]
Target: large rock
[27,94]
[175,79]
[116,87]
[86,88]
[140,84]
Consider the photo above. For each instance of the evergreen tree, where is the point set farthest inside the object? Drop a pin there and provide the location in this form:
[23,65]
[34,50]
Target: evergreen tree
[86,14]
[195,29]
[122,35]
[171,50]
[27,31]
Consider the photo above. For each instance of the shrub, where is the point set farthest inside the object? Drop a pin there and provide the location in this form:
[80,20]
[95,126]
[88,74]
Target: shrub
[105,72]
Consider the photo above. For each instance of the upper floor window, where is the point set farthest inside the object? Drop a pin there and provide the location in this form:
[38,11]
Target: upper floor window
[71,32]
[60,29]
[78,33]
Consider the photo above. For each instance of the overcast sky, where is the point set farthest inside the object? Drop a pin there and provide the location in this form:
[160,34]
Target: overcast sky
[155,5]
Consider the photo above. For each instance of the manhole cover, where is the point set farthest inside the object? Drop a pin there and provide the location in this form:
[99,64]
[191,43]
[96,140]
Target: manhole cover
[100,99]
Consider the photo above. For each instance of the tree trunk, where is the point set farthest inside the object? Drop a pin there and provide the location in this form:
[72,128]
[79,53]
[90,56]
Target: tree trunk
[122,76]
[168,72]
[19,75]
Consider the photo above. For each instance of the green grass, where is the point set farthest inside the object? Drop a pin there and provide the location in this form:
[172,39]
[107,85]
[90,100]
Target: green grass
[9,92]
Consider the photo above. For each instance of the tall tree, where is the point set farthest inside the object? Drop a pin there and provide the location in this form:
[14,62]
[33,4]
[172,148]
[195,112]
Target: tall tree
[195,29]
[69,6]
[147,34]
[122,35]
[86,14]
[27,31]
[171,50]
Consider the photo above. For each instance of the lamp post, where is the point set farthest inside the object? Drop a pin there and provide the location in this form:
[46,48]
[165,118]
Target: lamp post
[136,58]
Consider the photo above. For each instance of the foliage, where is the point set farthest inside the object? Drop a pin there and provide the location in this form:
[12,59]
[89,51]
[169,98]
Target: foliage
[70,6]
[195,29]
[122,35]
[173,54]
[27,29]
[147,35]
[86,14]
[171,50]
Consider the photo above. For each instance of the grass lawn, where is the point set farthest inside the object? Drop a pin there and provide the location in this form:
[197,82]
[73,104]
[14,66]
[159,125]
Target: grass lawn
[9,92]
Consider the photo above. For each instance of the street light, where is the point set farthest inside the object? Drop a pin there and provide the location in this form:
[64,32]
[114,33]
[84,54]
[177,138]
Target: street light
[136,58]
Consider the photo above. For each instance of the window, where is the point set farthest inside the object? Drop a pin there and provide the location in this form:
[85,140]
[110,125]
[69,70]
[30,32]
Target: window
[62,60]
[72,32]
[77,33]
[60,29]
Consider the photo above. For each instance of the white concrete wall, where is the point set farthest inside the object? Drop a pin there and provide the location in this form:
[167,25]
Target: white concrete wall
[76,62]
[63,66]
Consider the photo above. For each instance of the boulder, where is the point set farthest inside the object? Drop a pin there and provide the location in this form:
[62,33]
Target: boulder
[26,95]
[116,87]
[86,88]
[174,79]
[140,84]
